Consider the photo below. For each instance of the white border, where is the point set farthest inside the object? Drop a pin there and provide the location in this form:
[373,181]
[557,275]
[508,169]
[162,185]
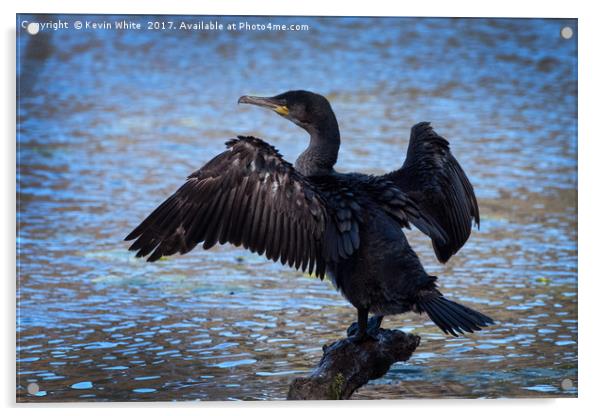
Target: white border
[590,109]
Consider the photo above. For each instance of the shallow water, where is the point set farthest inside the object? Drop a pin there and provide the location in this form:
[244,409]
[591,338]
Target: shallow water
[110,123]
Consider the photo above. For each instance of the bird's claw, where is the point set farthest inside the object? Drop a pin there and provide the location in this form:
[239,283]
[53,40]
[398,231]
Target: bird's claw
[352,330]
[373,327]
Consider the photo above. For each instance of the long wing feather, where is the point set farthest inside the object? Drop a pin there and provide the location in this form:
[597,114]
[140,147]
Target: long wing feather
[434,179]
[248,195]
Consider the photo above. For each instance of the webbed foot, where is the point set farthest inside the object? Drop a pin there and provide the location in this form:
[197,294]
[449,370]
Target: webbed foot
[355,334]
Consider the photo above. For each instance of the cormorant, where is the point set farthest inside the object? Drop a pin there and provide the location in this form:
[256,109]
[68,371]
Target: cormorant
[347,226]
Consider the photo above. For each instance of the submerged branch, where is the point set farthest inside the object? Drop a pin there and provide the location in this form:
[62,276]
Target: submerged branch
[345,366]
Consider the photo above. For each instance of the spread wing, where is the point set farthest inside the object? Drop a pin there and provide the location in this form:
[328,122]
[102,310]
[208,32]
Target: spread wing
[434,179]
[250,196]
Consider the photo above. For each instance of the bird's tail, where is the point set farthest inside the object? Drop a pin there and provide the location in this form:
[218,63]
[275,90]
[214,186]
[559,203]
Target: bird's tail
[452,317]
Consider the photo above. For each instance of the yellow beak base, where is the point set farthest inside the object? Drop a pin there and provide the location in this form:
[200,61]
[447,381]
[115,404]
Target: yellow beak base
[282,110]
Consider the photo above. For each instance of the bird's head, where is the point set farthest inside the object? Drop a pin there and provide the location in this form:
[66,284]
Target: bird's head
[306,109]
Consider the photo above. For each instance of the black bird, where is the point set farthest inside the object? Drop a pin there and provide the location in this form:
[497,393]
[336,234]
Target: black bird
[347,226]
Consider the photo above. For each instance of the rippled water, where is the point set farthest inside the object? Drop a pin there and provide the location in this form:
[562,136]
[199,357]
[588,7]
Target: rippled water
[110,123]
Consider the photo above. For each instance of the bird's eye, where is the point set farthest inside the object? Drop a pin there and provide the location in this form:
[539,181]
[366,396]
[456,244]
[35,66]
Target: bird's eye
[302,116]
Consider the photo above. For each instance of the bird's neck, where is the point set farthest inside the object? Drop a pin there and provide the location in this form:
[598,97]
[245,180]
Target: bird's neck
[321,155]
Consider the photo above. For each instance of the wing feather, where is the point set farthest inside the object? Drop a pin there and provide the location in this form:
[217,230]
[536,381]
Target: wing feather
[250,196]
[432,177]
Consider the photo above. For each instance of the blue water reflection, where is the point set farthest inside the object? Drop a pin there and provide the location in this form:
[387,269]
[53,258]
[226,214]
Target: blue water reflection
[111,122]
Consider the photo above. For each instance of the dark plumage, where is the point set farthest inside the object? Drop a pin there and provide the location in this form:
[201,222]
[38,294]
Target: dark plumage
[345,226]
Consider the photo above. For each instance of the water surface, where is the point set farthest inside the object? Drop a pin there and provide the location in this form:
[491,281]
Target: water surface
[110,123]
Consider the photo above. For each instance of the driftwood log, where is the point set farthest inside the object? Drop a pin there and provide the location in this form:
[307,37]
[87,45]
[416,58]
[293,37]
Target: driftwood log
[345,366]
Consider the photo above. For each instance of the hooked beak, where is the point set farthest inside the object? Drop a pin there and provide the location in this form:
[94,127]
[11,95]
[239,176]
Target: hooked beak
[279,106]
